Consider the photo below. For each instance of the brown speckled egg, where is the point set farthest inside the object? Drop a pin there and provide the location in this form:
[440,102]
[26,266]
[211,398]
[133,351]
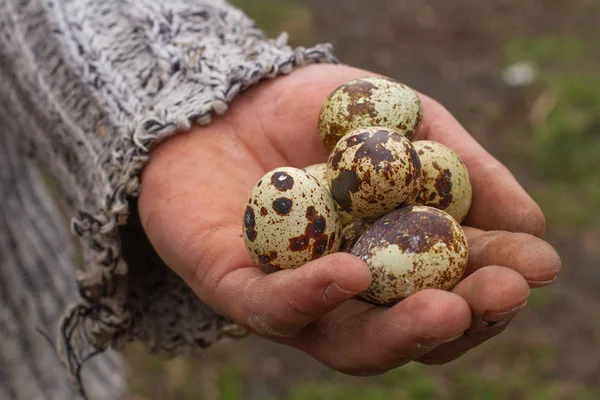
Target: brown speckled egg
[290,219]
[412,249]
[353,231]
[375,101]
[319,171]
[372,171]
[446,184]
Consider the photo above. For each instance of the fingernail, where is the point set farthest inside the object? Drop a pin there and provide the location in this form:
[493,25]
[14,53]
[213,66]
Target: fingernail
[485,330]
[335,293]
[438,342]
[495,317]
[537,284]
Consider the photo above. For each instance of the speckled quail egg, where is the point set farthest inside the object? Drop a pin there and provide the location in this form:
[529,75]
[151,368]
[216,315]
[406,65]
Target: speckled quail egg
[412,249]
[319,171]
[290,219]
[375,101]
[372,171]
[353,231]
[446,184]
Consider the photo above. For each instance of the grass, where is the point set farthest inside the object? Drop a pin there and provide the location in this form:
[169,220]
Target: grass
[562,146]
[230,383]
[276,16]
[523,370]
[493,372]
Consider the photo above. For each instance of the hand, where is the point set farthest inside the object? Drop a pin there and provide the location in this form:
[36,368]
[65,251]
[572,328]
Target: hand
[194,193]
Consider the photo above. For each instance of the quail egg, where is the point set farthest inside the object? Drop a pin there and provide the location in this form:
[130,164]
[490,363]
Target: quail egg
[375,101]
[290,219]
[372,171]
[319,171]
[446,184]
[353,231]
[412,249]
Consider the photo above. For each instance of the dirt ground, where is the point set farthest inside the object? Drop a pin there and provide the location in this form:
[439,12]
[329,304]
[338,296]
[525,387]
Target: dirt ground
[453,51]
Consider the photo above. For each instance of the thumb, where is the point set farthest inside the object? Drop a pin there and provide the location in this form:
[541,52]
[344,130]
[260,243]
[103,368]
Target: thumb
[282,303]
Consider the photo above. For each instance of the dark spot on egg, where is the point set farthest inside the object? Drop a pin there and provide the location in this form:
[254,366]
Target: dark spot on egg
[357,139]
[314,236]
[374,149]
[265,262]
[282,181]
[402,127]
[319,248]
[263,211]
[358,89]
[249,220]
[282,205]
[251,234]
[345,183]
[335,158]
[443,186]
[250,224]
[359,94]
[416,161]
[357,108]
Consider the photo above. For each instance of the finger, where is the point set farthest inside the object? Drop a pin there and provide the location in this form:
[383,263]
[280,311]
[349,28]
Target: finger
[280,304]
[453,350]
[533,258]
[495,295]
[514,210]
[373,340]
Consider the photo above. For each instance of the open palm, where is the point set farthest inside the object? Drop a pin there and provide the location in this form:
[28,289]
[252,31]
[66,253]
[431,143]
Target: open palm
[195,190]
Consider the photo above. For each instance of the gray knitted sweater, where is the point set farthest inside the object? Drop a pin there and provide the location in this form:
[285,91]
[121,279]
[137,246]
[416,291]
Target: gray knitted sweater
[87,89]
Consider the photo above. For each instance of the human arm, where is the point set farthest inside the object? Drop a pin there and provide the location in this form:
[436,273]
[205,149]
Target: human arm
[88,88]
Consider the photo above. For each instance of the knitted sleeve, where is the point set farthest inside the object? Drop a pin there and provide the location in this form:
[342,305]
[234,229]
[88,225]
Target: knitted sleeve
[93,86]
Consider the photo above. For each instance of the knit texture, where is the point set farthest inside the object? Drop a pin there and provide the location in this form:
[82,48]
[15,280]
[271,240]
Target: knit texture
[88,89]
[37,260]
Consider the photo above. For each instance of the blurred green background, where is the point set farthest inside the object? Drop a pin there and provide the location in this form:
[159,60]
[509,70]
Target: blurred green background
[523,76]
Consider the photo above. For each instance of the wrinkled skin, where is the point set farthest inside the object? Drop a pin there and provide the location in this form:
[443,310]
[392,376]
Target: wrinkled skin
[195,188]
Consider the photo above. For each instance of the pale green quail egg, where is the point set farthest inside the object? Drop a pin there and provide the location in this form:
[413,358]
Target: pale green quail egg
[290,219]
[446,184]
[372,171]
[374,101]
[412,249]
